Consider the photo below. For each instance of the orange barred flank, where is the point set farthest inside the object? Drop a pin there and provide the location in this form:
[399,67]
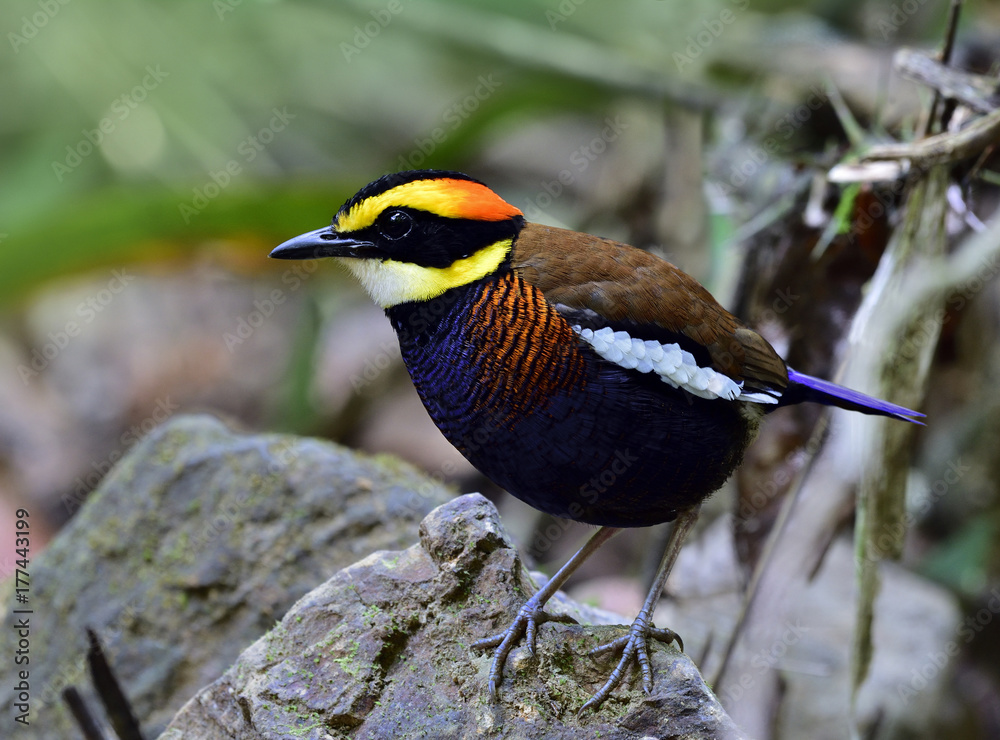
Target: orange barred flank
[524,344]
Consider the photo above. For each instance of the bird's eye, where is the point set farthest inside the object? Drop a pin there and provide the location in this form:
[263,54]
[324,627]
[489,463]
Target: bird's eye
[395,224]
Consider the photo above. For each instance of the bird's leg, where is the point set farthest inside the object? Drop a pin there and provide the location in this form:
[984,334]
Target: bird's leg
[634,645]
[531,615]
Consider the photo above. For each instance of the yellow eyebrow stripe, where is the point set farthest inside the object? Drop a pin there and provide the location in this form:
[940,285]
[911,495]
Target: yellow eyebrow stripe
[444,197]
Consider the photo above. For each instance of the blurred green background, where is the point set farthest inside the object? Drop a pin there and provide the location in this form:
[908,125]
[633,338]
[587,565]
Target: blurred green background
[179,142]
[118,114]
[152,153]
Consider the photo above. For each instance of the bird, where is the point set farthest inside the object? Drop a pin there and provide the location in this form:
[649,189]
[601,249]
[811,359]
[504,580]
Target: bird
[591,379]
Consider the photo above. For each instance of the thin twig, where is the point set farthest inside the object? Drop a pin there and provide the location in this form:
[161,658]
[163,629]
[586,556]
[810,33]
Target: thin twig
[942,148]
[81,713]
[949,45]
[977,92]
[110,691]
[764,561]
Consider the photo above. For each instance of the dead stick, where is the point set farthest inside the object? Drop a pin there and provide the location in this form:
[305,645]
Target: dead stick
[942,148]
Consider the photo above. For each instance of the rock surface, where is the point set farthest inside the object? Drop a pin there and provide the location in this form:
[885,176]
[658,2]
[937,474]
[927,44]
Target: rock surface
[381,650]
[192,547]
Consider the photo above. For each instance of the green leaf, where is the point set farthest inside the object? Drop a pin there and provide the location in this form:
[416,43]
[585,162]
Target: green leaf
[118,227]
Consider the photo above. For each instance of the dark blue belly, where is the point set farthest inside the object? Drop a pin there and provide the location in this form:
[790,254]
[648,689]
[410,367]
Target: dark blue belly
[506,380]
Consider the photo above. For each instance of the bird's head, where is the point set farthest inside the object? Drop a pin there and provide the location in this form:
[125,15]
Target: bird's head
[411,236]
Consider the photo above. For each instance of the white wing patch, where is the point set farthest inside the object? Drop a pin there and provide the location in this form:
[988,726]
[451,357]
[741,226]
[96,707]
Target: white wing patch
[674,365]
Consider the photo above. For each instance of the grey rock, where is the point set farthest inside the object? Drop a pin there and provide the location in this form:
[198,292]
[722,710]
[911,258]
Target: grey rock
[194,544]
[381,650]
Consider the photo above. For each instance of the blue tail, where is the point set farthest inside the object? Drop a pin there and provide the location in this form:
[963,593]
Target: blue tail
[802,387]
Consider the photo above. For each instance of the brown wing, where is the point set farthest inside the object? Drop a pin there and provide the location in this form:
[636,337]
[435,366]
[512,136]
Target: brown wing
[623,283]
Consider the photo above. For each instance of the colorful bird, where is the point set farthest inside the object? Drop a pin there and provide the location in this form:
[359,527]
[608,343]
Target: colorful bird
[590,379]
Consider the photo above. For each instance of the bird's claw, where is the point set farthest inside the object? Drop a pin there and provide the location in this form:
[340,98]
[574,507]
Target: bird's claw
[525,623]
[634,647]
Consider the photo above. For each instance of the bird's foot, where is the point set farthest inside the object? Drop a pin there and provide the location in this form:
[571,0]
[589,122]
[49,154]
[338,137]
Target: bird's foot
[525,623]
[635,648]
